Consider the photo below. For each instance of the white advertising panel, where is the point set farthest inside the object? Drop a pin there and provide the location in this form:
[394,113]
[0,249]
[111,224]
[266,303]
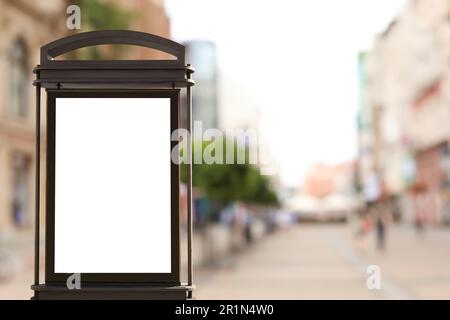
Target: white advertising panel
[112,185]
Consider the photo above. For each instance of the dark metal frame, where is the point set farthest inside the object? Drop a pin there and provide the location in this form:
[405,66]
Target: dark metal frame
[172,278]
[113,73]
[67,77]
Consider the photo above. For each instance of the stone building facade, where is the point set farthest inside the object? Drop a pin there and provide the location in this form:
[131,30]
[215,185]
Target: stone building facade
[405,110]
[27,25]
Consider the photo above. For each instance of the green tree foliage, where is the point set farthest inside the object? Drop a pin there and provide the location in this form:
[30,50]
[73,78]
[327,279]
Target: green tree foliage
[102,15]
[226,183]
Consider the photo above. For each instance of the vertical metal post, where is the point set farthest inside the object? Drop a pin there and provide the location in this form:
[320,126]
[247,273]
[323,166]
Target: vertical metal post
[189,186]
[37,182]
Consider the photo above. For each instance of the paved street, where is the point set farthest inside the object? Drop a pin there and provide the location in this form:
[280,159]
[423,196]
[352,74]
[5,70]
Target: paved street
[321,262]
[316,262]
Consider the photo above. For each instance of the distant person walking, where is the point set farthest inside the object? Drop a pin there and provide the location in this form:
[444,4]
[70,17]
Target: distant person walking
[381,233]
[382,212]
[363,229]
[419,197]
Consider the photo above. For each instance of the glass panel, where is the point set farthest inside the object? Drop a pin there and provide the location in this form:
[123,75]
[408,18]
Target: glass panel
[112,185]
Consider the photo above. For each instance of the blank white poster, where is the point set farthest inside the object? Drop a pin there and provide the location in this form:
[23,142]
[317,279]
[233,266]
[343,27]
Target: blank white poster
[112,185]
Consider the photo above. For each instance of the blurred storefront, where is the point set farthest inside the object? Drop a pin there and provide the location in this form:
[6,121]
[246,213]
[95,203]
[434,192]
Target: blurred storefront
[432,174]
[404,111]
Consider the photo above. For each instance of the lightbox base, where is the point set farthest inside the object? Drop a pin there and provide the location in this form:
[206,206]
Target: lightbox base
[54,292]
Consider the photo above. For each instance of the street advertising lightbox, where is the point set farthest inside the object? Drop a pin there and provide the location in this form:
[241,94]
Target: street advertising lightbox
[112,188]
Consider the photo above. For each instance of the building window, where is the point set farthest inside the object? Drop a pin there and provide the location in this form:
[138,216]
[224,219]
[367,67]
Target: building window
[19,80]
[20,189]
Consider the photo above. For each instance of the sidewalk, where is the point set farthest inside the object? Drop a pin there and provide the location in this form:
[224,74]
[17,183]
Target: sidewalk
[320,262]
[314,262]
[419,265]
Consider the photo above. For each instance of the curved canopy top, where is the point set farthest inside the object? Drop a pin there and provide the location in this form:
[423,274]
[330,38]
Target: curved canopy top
[89,73]
[119,37]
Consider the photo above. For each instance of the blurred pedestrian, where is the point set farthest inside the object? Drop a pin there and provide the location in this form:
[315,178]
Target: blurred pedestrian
[380,231]
[248,228]
[419,198]
[382,213]
[363,229]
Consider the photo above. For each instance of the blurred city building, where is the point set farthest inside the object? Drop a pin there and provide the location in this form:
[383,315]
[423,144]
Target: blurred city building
[26,26]
[404,114]
[202,55]
[327,193]
[219,102]
[147,16]
[139,15]
[322,179]
[238,110]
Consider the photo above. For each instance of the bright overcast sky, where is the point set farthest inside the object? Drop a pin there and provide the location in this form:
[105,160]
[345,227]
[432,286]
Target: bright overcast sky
[299,58]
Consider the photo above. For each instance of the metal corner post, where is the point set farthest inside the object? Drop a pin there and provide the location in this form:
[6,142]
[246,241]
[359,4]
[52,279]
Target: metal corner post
[37,183]
[189,187]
